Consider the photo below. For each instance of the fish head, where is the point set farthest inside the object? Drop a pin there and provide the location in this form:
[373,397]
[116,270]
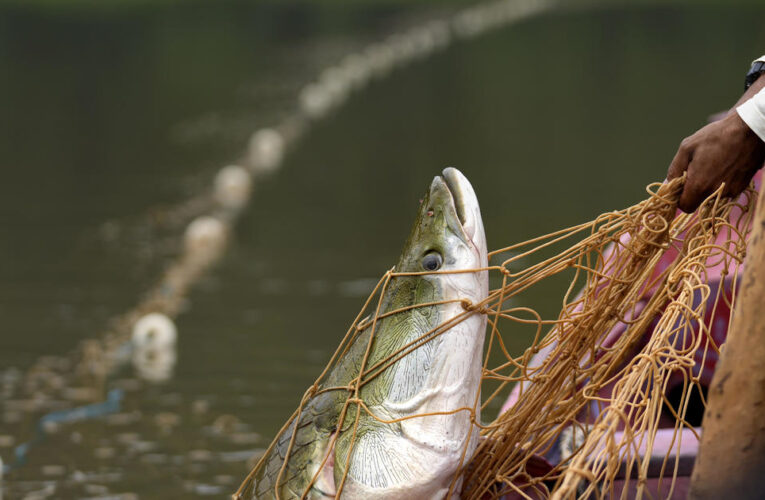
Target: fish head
[443,264]
[448,234]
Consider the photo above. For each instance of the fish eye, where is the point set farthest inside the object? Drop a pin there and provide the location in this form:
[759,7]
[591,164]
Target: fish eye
[432,261]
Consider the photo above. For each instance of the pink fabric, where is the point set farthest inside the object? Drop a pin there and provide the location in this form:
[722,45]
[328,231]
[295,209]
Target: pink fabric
[716,273]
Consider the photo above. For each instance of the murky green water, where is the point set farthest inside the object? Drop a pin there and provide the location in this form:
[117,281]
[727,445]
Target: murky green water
[108,120]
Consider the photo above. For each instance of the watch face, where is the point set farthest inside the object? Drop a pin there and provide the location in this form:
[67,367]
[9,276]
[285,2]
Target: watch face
[754,73]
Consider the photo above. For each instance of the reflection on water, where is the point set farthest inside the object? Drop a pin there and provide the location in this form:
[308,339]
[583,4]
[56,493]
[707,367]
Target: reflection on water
[111,122]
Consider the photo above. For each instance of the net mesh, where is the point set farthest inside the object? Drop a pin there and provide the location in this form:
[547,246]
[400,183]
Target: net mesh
[604,395]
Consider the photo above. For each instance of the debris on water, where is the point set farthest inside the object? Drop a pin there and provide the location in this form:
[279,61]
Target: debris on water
[104,453]
[245,438]
[224,479]
[142,446]
[119,496]
[44,379]
[128,437]
[53,470]
[226,424]
[200,455]
[166,421]
[79,476]
[96,489]
[46,492]
[50,427]
[200,406]
[122,419]
[207,489]
[80,394]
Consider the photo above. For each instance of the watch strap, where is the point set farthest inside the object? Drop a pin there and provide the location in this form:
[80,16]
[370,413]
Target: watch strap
[758,67]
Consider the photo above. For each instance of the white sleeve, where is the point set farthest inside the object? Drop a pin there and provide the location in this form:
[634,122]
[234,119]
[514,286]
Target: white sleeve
[753,113]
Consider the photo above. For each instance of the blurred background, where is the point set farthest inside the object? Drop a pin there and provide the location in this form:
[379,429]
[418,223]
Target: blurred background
[116,116]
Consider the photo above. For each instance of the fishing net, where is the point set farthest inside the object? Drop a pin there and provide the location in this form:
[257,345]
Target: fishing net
[605,392]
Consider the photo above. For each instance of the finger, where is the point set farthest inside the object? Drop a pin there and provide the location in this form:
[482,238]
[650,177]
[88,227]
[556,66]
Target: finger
[679,162]
[691,197]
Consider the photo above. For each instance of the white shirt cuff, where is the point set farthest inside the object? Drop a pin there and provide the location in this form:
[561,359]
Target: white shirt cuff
[753,113]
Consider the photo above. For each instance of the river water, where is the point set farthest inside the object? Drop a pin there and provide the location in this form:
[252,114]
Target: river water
[113,119]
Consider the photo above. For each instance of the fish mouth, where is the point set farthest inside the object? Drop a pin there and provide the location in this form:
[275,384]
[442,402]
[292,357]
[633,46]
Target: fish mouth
[464,200]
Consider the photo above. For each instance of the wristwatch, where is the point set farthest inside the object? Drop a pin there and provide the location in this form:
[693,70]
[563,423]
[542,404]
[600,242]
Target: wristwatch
[758,67]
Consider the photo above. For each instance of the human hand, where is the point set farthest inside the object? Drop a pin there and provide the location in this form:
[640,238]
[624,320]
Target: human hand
[726,151]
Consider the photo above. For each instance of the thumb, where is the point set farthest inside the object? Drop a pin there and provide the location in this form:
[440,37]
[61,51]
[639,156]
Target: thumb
[679,163]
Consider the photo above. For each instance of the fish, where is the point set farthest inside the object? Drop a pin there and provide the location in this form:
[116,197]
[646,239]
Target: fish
[388,448]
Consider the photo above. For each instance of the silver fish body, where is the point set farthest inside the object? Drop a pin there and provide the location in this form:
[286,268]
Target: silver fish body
[415,426]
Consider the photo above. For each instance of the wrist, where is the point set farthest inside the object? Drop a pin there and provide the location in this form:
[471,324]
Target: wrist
[756,86]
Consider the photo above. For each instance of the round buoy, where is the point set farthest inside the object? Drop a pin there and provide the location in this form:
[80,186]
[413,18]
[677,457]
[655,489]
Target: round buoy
[232,187]
[315,101]
[204,235]
[155,330]
[266,149]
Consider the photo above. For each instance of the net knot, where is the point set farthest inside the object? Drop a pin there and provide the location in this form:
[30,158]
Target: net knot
[468,305]
[311,392]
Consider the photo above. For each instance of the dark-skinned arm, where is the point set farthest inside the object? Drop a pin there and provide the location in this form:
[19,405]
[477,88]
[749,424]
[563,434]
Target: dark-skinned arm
[726,151]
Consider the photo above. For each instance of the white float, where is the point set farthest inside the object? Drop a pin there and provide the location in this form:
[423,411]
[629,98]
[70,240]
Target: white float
[233,185]
[154,330]
[205,234]
[266,149]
